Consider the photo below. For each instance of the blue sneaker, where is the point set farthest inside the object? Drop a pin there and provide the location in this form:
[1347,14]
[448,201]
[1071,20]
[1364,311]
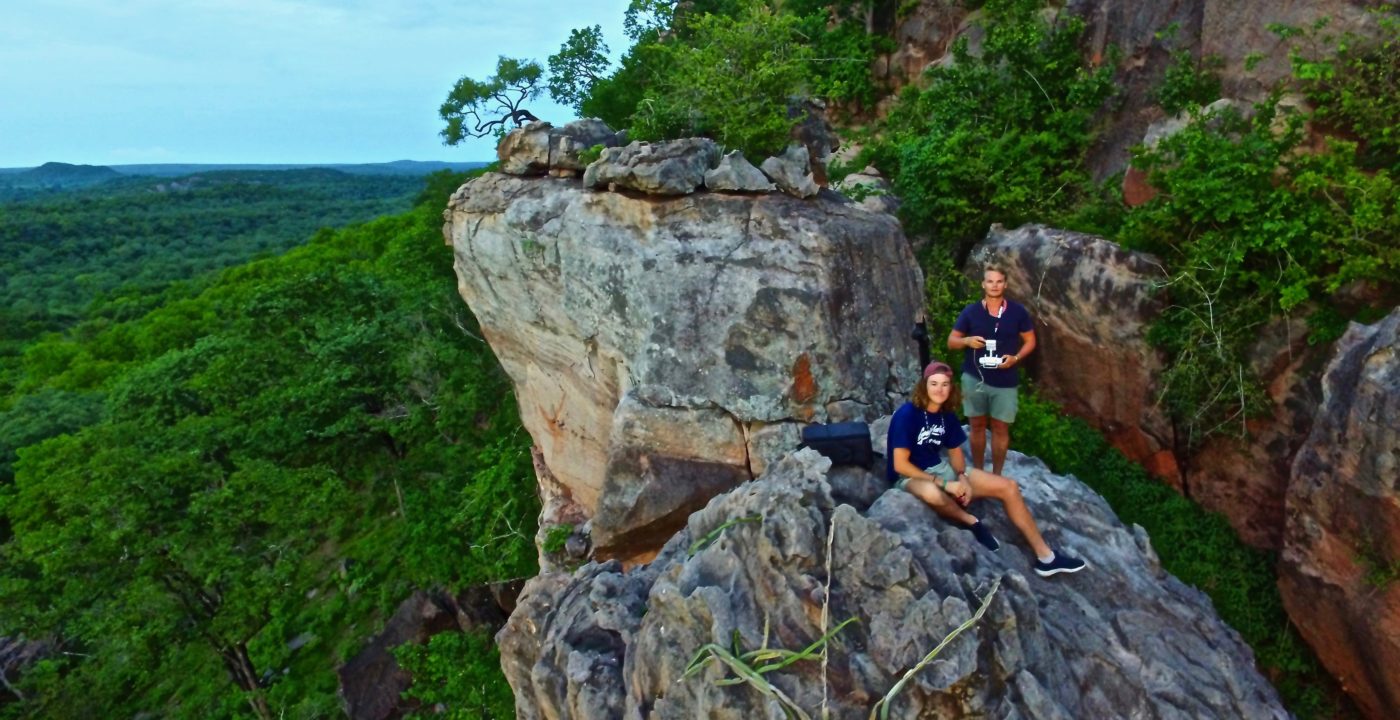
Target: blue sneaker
[1061,563]
[984,536]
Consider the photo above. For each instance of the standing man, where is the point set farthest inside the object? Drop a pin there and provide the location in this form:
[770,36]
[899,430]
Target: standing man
[995,336]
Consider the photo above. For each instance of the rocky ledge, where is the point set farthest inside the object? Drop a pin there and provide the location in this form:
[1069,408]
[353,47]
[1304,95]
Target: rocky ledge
[778,562]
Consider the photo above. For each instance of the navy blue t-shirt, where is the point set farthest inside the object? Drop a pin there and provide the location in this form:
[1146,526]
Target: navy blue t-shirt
[927,435]
[1006,330]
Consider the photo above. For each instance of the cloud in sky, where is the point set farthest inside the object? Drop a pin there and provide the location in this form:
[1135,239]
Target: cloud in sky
[261,81]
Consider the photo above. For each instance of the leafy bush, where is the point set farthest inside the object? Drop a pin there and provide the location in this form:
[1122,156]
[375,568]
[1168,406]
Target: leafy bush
[1189,83]
[998,136]
[457,676]
[1356,89]
[844,49]
[556,537]
[1253,226]
[733,82]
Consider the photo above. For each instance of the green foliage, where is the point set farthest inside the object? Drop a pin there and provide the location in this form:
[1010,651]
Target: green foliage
[1357,89]
[1197,546]
[1189,83]
[477,108]
[121,245]
[284,455]
[995,137]
[555,537]
[843,49]
[648,18]
[39,416]
[1253,228]
[590,155]
[1380,572]
[462,673]
[580,63]
[613,99]
[946,292]
[734,83]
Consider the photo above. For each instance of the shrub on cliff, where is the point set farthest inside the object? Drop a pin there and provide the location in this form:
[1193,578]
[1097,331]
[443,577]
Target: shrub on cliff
[1262,217]
[732,82]
[998,136]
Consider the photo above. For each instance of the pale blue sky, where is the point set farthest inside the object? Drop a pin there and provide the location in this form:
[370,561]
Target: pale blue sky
[108,82]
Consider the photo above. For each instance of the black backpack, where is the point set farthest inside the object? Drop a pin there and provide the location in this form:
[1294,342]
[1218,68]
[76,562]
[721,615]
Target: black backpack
[846,443]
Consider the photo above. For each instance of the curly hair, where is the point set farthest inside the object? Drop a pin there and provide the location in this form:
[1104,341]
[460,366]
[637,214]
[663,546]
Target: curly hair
[921,400]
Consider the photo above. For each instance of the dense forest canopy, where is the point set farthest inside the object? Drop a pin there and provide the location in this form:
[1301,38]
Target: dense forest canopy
[284,454]
[131,236]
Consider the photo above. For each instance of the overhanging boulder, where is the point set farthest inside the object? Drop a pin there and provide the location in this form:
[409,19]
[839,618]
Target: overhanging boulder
[665,349]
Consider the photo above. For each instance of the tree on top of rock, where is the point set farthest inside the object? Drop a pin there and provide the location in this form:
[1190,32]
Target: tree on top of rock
[478,108]
[580,63]
[733,80]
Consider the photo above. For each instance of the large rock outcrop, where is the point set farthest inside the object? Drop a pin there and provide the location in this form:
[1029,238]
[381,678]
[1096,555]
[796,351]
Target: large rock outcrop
[664,350]
[778,562]
[1340,570]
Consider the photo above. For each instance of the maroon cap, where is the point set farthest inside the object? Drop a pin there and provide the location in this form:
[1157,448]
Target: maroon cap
[936,367]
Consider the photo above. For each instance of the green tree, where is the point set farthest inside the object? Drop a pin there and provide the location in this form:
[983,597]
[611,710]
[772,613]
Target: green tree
[477,108]
[734,81]
[580,63]
[647,19]
[995,137]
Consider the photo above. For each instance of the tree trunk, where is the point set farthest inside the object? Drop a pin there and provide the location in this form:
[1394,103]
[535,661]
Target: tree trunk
[245,676]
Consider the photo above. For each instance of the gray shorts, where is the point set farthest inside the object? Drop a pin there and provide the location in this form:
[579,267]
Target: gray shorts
[981,399]
[942,471]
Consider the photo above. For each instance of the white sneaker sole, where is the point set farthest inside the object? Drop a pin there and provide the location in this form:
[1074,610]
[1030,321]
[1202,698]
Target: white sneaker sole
[1057,571]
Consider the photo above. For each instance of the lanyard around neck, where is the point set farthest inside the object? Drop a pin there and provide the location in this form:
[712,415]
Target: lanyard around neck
[1000,311]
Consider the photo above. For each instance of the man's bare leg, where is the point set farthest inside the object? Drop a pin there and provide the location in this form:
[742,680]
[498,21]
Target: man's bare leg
[978,427]
[1001,440]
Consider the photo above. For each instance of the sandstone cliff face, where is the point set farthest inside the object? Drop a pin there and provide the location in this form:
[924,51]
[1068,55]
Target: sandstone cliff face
[1341,548]
[665,350]
[1120,639]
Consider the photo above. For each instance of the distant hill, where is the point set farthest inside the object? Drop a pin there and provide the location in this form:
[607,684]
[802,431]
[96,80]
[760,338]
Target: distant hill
[57,175]
[20,184]
[397,167]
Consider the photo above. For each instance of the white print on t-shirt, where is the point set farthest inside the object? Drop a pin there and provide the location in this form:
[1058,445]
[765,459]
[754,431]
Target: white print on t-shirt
[931,434]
